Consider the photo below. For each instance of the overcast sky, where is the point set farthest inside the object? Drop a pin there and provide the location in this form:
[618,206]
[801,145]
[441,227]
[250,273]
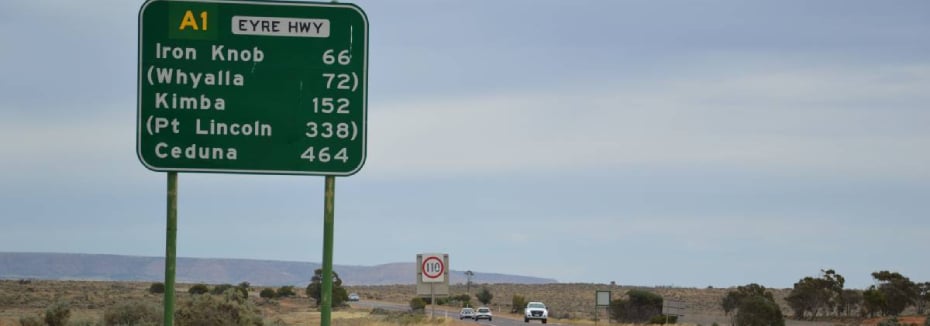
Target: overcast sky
[686,143]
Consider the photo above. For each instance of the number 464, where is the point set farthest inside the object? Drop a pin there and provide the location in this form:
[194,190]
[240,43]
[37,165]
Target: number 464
[324,155]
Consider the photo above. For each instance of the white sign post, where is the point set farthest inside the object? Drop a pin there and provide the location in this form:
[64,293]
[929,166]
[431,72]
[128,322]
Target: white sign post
[601,299]
[432,277]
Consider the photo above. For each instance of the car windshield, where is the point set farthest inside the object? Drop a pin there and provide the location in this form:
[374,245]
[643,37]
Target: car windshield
[483,310]
[536,305]
[466,310]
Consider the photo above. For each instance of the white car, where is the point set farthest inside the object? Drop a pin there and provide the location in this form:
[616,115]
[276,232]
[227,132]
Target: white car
[467,313]
[353,297]
[483,313]
[535,310]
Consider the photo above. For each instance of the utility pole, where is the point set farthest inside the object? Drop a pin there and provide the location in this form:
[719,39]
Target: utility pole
[468,275]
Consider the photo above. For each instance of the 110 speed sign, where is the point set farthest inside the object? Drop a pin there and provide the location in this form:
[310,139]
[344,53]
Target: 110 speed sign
[433,269]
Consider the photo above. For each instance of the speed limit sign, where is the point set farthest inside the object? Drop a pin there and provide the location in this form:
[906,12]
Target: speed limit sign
[433,268]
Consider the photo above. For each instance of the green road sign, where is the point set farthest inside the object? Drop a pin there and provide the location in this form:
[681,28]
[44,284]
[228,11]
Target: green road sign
[252,87]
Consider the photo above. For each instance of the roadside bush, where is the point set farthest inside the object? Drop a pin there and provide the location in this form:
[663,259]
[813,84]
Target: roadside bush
[198,289]
[315,288]
[133,314]
[927,321]
[463,299]
[206,310]
[517,303]
[268,293]
[485,296]
[417,304]
[758,311]
[286,291]
[157,288]
[58,314]
[639,307]
[220,289]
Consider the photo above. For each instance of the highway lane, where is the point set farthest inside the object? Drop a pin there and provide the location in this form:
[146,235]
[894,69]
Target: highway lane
[444,311]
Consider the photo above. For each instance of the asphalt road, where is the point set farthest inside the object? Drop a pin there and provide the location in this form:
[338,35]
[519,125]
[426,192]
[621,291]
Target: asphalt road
[498,320]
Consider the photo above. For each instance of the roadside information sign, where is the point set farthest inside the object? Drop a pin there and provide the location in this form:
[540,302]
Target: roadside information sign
[252,87]
[673,307]
[602,298]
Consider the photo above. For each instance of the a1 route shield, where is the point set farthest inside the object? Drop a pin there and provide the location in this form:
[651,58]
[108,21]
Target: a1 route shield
[252,87]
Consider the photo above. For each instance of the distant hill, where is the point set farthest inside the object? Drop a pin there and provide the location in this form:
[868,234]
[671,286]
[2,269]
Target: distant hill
[57,266]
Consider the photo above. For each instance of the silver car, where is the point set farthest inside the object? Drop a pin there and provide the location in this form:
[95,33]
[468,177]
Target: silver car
[483,313]
[467,313]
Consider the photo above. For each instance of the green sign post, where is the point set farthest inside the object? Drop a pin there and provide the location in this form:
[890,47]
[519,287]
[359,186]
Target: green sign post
[260,87]
[252,87]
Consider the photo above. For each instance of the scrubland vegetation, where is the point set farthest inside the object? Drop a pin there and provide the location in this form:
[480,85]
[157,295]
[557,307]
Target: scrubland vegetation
[822,300]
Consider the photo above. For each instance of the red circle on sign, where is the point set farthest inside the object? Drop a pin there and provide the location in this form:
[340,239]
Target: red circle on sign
[442,267]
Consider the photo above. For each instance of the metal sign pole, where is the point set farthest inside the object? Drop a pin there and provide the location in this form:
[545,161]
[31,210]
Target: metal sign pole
[170,247]
[432,301]
[326,293]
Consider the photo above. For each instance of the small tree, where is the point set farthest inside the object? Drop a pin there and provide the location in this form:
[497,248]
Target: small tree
[157,288]
[58,314]
[133,313]
[898,291]
[198,289]
[315,289]
[220,289]
[639,307]
[754,306]
[417,304]
[517,303]
[243,289]
[484,296]
[849,300]
[268,293]
[230,309]
[923,297]
[286,291]
[758,311]
[872,302]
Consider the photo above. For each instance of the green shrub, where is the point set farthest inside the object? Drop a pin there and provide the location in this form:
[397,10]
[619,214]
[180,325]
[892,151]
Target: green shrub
[639,307]
[417,304]
[198,289]
[484,296]
[133,314]
[220,289]
[286,291]
[31,321]
[206,310]
[517,303]
[157,288]
[268,293]
[315,288]
[927,321]
[758,311]
[58,314]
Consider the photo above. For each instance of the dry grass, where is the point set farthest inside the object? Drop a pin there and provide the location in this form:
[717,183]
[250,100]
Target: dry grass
[89,299]
[569,303]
